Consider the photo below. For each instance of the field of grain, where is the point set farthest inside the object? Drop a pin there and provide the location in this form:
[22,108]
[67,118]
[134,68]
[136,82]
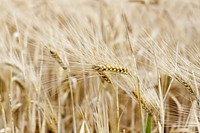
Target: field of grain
[99,66]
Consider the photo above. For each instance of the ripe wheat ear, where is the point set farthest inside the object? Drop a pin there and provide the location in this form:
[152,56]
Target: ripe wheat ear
[186,85]
[102,68]
[118,69]
[58,59]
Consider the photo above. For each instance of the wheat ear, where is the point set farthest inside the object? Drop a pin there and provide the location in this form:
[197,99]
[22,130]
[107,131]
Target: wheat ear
[119,69]
[189,88]
[102,68]
[148,108]
[103,76]
[58,59]
[186,85]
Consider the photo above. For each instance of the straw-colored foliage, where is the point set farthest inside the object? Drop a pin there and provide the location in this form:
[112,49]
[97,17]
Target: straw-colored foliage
[99,66]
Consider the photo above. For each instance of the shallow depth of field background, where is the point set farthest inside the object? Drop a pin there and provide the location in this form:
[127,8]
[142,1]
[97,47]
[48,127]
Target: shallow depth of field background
[157,41]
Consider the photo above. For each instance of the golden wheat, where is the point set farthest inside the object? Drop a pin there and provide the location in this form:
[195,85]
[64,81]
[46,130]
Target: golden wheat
[101,69]
[145,105]
[121,70]
[186,85]
[103,76]
[83,39]
[58,59]
[118,69]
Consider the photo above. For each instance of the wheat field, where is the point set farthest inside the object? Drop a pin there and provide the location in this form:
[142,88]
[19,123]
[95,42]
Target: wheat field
[99,66]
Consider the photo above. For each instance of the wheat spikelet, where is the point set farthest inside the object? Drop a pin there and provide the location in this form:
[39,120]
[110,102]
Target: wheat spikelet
[58,59]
